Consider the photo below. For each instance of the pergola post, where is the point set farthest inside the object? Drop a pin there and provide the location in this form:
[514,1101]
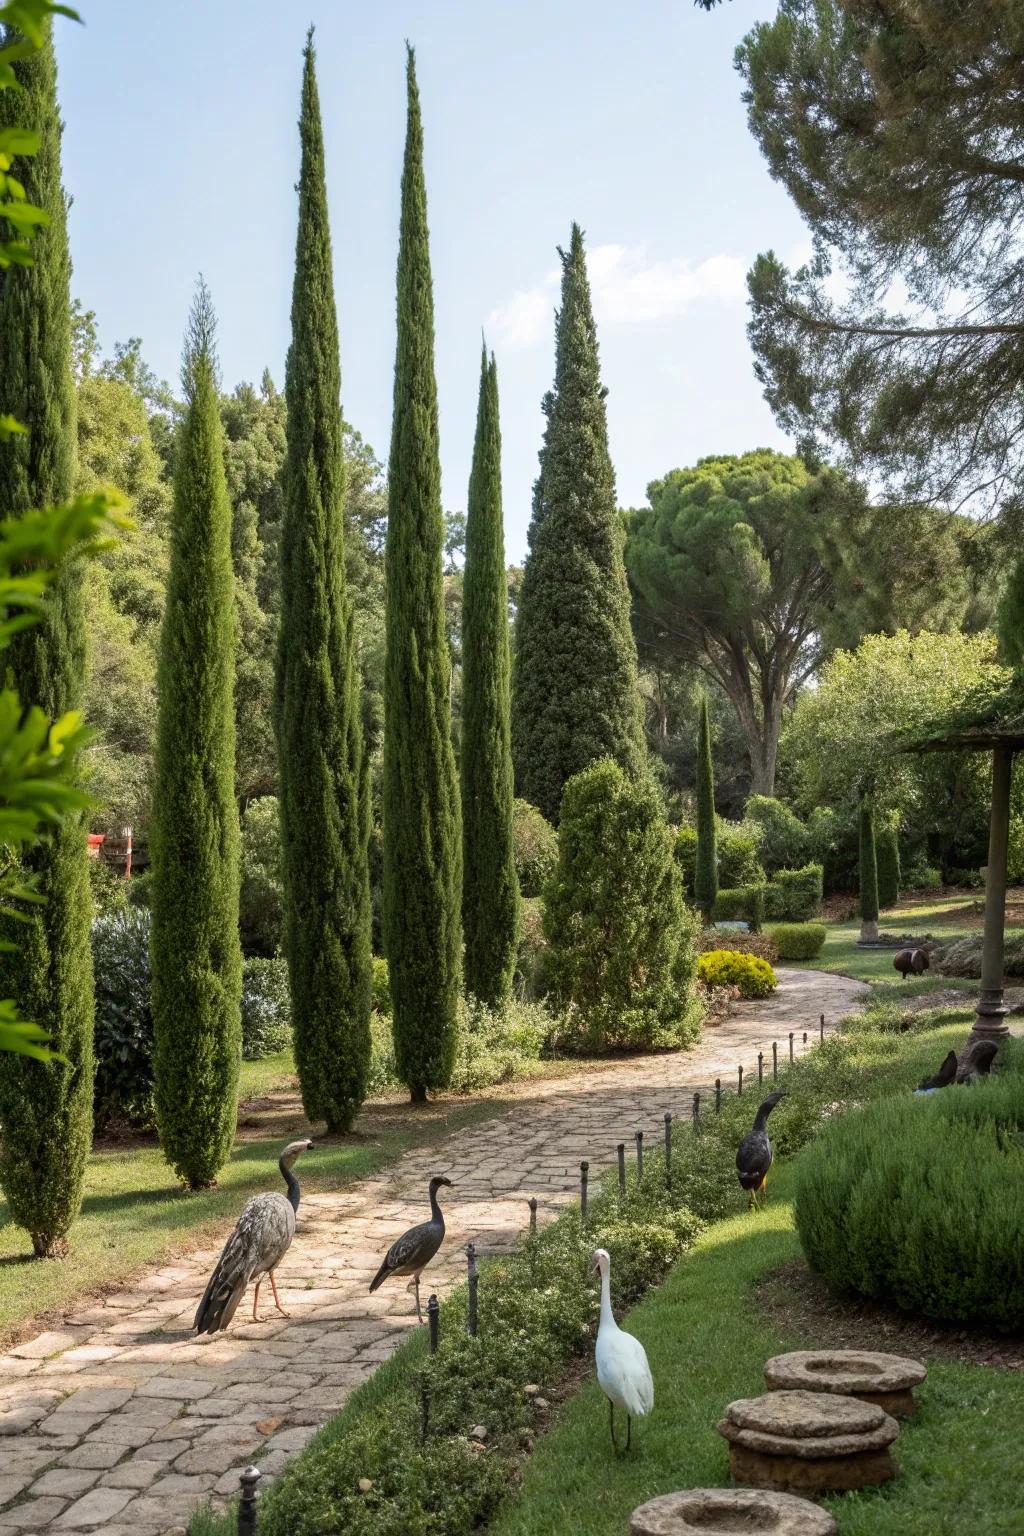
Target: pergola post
[990,1017]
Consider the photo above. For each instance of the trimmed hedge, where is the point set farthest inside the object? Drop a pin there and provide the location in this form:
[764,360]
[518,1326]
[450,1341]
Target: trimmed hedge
[796,941]
[794,895]
[740,904]
[919,1202]
[731,968]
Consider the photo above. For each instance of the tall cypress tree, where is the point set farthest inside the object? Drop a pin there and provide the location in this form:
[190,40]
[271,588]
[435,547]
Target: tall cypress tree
[422,837]
[194,838]
[705,880]
[324,798]
[575,696]
[46,1110]
[490,887]
[868,868]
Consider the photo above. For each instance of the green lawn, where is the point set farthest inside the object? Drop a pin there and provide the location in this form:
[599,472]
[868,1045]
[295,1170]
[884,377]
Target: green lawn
[707,1345]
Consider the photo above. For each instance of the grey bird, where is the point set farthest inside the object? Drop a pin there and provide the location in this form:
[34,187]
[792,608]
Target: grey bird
[412,1252]
[754,1157]
[255,1248]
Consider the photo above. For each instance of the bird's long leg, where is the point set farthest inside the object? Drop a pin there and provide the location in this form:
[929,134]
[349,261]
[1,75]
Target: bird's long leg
[419,1310]
[764,1190]
[629,1430]
[255,1299]
[611,1424]
[277,1299]
[750,1200]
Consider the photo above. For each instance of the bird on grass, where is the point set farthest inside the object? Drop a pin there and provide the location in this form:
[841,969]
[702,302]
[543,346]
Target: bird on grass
[255,1248]
[942,1078]
[623,1373]
[412,1252]
[754,1155]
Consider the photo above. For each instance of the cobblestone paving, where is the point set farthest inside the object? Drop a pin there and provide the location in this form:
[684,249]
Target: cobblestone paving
[121,1422]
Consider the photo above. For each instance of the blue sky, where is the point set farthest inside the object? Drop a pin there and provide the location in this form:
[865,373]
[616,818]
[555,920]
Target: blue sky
[181,154]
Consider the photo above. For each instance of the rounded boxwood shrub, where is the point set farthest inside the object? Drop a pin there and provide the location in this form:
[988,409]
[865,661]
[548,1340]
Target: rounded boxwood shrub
[919,1202]
[124,1023]
[794,895]
[266,1008]
[732,968]
[796,941]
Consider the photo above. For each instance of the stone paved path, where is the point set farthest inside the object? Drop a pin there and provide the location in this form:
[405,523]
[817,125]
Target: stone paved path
[122,1422]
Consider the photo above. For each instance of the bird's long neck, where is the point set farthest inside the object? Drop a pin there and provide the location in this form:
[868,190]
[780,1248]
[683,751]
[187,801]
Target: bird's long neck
[435,1210]
[292,1182]
[761,1118]
[607,1316]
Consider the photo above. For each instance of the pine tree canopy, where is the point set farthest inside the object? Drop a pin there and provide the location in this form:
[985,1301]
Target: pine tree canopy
[575,696]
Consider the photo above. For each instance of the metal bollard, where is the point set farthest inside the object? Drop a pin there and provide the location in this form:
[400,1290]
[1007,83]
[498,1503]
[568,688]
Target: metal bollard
[247,1505]
[760,1068]
[775,1059]
[668,1145]
[621,1150]
[718,1094]
[821,1029]
[474,1280]
[584,1170]
[639,1156]
[791,1047]
[696,1111]
[533,1216]
[433,1322]
[739,1084]
[805,1037]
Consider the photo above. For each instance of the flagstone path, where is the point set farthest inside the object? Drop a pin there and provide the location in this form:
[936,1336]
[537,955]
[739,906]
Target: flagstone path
[121,1421]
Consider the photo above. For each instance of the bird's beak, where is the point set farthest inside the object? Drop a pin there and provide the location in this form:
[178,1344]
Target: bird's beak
[594,1267]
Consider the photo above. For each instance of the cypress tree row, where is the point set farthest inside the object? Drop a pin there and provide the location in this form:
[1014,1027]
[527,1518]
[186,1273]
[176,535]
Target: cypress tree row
[324,794]
[194,837]
[575,696]
[490,887]
[422,835]
[868,869]
[705,879]
[45,1109]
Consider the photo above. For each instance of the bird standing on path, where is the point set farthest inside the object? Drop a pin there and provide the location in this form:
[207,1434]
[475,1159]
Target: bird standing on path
[255,1248]
[623,1372]
[412,1252]
[754,1156]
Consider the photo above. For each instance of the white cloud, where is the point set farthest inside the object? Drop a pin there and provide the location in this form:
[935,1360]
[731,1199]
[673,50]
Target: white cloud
[628,289]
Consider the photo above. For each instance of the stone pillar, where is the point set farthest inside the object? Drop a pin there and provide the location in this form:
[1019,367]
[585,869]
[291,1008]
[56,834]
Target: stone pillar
[990,1018]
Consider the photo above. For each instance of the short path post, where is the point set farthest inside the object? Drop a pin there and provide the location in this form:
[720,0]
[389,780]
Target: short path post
[718,1094]
[821,1029]
[775,1059]
[533,1215]
[621,1150]
[668,1144]
[696,1111]
[433,1322]
[739,1079]
[805,1037]
[791,1047]
[760,1068]
[584,1172]
[639,1156]
[473,1277]
[247,1504]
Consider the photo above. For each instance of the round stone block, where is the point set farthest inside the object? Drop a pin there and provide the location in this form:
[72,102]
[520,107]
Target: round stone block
[808,1442]
[730,1512]
[886,1380]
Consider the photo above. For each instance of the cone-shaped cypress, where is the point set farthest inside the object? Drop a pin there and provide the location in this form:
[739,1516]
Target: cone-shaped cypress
[490,887]
[887,860]
[868,865]
[45,1110]
[422,835]
[324,800]
[194,838]
[705,879]
[575,696]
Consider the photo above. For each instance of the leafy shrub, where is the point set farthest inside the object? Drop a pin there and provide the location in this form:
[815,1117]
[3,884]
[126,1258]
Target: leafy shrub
[733,938]
[261,898]
[728,967]
[266,1008]
[887,861]
[797,941]
[741,904]
[794,895]
[529,977]
[785,843]
[140,888]
[109,888]
[963,956]
[738,844]
[921,1202]
[381,985]
[922,877]
[124,1024]
[536,847]
[620,940]
[491,1045]
[970,879]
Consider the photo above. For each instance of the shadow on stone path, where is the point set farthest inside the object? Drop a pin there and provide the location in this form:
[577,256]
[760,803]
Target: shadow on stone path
[122,1422]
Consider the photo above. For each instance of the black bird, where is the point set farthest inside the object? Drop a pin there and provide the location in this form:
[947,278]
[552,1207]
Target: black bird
[255,1248]
[754,1157]
[979,1061]
[943,1077]
[412,1252]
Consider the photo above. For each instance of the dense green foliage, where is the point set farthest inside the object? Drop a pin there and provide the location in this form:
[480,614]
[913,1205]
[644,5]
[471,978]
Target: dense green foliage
[490,885]
[45,1108]
[266,1008]
[261,898]
[324,788]
[867,884]
[785,843]
[794,895]
[733,968]
[196,956]
[796,941]
[705,874]
[620,941]
[887,864]
[963,956]
[536,847]
[919,1203]
[740,904]
[422,832]
[124,1019]
[737,845]
[575,696]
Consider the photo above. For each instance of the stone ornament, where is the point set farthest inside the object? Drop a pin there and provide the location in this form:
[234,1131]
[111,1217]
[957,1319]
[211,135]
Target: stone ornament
[887,1380]
[808,1442]
[749,1511]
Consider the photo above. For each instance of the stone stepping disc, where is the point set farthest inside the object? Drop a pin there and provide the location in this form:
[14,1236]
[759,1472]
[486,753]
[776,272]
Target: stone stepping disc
[731,1512]
[808,1442]
[887,1380]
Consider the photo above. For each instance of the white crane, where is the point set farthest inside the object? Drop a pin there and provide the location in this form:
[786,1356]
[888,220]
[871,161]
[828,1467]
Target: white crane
[623,1373]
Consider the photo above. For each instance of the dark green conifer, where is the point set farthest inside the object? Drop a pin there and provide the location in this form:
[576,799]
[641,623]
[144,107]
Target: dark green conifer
[887,861]
[45,1109]
[868,865]
[705,879]
[490,887]
[196,956]
[574,697]
[324,800]
[422,834]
